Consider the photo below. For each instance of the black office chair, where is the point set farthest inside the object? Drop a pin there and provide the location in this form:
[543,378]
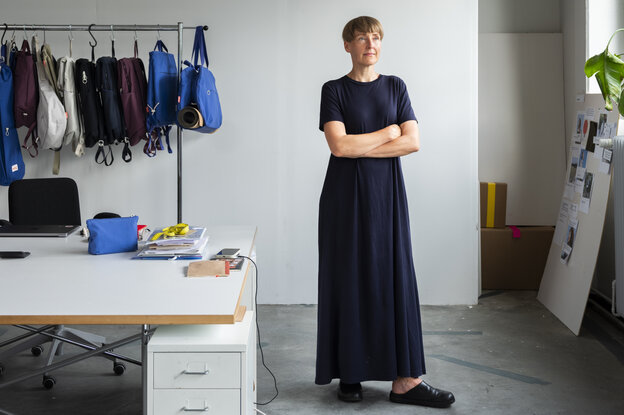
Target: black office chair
[44,202]
[52,201]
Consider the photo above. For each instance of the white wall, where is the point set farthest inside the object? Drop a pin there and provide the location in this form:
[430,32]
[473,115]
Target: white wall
[526,16]
[521,122]
[270,59]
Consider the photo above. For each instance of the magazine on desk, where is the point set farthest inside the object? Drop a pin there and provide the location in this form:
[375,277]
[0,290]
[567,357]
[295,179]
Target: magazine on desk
[192,245]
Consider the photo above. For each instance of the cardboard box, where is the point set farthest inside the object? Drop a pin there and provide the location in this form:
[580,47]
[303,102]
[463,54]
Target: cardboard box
[493,198]
[509,263]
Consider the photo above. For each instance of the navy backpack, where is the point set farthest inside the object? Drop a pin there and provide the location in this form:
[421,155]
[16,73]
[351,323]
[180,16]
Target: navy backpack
[114,126]
[162,91]
[11,162]
[198,104]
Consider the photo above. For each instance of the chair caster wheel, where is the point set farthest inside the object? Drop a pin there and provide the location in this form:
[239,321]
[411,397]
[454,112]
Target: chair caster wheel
[37,350]
[119,368]
[48,382]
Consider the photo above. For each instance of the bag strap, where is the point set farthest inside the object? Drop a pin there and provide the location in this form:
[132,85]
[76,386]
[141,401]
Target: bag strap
[25,46]
[151,145]
[167,130]
[102,156]
[56,164]
[136,48]
[32,132]
[199,47]
[126,153]
[160,46]
[49,67]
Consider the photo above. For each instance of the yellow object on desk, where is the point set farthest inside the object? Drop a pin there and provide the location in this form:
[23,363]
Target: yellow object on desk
[175,230]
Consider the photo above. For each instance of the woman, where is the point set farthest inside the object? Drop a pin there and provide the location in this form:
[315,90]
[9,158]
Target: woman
[368,310]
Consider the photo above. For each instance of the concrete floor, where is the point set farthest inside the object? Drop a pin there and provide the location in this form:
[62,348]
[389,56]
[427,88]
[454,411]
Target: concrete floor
[507,355]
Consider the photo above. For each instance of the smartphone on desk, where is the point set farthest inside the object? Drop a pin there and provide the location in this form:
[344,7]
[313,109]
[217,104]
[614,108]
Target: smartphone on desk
[228,253]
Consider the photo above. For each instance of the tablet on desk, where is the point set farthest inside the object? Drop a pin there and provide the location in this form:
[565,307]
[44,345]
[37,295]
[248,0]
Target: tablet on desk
[38,230]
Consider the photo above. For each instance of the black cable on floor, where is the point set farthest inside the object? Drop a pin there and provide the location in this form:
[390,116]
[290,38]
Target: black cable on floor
[259,342]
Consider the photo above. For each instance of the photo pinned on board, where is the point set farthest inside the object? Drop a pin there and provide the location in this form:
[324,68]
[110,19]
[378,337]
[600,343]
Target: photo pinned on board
[580,125]
[573,166]
[580,119]
[602,125]
[583,158]
[587,190]
[566,250]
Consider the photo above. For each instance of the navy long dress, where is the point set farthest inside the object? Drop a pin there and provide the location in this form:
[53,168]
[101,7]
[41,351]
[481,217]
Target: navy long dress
[368,311]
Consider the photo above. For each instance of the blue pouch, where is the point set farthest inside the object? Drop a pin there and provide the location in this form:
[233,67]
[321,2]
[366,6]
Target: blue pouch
[111,235]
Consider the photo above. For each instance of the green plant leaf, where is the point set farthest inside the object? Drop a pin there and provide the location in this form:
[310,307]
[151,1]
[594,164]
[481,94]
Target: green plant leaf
[609,71]
[621,104]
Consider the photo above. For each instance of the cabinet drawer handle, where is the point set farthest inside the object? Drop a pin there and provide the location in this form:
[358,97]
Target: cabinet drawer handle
[196,406]
[196,369]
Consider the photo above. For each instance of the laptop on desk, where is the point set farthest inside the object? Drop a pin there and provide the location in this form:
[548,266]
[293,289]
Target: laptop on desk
[38,230]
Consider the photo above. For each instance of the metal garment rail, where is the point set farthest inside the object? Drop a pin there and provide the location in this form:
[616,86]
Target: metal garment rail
[123,28]
[146,330]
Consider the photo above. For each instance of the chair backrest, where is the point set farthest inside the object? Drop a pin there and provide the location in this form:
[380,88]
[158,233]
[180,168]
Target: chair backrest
[52,201]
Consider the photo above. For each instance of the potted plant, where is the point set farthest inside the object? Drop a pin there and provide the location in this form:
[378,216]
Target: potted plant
[609,71]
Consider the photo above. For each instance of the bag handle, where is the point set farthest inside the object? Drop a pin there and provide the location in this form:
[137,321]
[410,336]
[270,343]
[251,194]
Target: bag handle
[25,46]
[199,47]
[160,46]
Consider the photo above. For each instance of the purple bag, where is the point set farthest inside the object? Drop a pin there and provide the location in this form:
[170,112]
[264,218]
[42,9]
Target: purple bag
[26,96]
[132,84]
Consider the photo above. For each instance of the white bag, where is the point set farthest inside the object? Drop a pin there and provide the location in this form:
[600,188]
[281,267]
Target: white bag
[51,121]
[65,82]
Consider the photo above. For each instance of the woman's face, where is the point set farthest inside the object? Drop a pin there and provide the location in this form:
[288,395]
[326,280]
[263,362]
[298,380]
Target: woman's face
[364,48]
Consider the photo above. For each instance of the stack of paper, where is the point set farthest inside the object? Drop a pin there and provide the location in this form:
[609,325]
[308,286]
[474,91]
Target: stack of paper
[191,245]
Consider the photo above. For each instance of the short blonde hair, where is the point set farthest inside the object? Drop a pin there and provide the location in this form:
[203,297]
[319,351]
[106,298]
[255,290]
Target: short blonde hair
[364,24]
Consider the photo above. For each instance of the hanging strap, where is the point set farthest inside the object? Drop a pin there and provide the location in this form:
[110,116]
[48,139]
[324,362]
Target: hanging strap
[199,47]
[126,153]
[160,46]
[136,48]
[32,132]
[102,156]
[56,165]
[25,46]
[166,130]
[151,145]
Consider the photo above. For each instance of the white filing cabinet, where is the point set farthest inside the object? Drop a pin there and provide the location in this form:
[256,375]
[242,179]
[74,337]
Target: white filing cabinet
[202,368]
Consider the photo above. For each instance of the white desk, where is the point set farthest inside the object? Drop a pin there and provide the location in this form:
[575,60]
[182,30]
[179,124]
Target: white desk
[60,283]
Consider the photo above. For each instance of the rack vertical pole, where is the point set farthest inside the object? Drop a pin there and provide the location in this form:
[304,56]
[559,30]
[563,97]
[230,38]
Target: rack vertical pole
[178,128]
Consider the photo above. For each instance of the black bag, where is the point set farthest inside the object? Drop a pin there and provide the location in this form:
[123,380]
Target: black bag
[115,130]
[91,109]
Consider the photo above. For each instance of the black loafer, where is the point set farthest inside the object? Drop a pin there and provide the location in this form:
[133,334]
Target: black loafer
[350,392]
[424,395]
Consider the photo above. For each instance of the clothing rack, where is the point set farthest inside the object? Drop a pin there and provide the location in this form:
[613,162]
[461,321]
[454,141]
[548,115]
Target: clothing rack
[122,28]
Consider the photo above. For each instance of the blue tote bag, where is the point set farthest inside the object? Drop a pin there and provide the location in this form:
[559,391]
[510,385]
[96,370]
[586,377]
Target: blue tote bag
[198,89]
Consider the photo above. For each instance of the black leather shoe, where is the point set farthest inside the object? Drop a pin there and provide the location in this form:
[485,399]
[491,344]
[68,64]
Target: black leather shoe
[424,395]
[350,392]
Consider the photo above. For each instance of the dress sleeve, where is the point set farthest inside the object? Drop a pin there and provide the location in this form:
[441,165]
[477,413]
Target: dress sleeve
[404,106]
[330,106]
